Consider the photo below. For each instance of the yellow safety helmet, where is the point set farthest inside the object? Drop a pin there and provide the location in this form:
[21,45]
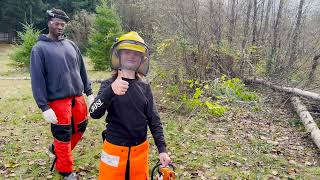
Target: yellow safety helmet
[131,41]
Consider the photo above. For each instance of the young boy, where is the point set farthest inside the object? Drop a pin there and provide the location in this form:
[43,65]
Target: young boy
[131,109]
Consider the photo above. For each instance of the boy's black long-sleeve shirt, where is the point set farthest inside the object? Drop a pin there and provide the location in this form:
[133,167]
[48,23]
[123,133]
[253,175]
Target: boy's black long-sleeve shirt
[129,115]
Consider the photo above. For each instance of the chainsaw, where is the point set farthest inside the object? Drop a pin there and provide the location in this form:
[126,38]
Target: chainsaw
[164,173]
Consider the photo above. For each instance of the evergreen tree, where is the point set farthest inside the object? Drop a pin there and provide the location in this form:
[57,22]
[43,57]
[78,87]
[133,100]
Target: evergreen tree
[106,27]
[21,55]
[14,13]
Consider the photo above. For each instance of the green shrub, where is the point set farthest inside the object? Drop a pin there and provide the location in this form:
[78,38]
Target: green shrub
[230,90]
[21,55]
[172,91]
[209,96]
[106,27]
[214,108]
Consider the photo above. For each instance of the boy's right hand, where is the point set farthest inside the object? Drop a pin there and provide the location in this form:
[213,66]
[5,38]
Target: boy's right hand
[50,116]
[120,86]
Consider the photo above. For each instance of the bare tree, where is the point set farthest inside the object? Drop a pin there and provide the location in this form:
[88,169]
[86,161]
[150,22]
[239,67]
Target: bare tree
[254,22]
[216,25]
[313,70]
[276,30]
[295,38]
[232,22]
[195,32]
[266,22]
[246,25]
[261,19]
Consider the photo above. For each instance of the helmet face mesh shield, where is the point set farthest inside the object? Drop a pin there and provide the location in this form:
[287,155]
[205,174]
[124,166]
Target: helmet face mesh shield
[133,45]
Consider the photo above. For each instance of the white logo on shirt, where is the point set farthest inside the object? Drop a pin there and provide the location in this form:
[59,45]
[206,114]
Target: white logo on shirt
[96,105]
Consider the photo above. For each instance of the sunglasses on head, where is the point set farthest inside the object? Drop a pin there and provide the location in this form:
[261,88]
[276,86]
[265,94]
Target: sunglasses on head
[57,23]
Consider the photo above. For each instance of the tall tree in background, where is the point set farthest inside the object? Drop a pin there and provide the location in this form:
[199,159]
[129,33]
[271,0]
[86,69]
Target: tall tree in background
[16,12]
[106,27]
[295,38]
[232,21]
[216,24]
[70,7]
[274,46]
[261,19]
[266,22]
[254,22]
[246,25]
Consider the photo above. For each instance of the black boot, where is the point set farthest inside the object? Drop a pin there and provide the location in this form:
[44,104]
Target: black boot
[51,149]
[72,176]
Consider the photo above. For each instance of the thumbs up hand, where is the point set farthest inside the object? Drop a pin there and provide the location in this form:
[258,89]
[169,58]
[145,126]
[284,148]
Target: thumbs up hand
[120,86]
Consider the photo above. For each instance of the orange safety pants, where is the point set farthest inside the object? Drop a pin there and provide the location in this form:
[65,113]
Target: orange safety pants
[114,159]
[72,115]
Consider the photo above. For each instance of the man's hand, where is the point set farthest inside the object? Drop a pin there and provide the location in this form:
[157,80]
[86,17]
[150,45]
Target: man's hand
[50,116]
[164,159]
[120,86]
[90,99]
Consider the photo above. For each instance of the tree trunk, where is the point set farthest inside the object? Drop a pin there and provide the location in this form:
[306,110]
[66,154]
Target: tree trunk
[246,26]
[276,30]
[245,37]
[254,28]
[313,69]
[261,20]
[266,22]
[216,21]
[232,22]
[306,118]
[295,38]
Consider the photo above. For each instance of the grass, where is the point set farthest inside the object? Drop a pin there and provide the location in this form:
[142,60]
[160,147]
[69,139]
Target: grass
[6,66]
[243,144]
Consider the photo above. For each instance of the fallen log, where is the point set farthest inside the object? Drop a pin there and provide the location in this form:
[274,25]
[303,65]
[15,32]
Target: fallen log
[307,120]
[14,78]
[291,90]
[28,78]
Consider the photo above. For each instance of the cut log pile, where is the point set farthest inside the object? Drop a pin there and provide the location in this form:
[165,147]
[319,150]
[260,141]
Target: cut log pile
[299,107]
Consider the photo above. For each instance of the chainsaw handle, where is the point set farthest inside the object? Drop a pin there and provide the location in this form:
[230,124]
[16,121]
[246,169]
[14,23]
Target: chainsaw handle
[169,165]
[159,165]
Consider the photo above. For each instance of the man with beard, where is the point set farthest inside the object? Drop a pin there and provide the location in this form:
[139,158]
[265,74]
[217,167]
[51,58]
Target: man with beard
[59,79]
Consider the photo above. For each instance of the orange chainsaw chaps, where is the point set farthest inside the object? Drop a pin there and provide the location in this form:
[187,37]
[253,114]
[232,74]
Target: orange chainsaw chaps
[114,158]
